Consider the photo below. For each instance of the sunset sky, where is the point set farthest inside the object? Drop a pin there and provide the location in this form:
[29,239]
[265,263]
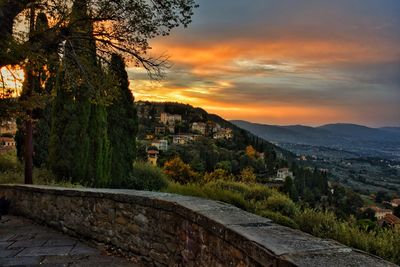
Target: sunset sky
[285,62]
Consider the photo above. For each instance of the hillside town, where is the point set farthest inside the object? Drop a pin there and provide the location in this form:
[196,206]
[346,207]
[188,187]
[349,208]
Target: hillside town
[175,129]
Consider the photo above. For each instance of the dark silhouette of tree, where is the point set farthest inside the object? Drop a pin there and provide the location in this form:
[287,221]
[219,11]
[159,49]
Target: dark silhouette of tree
[122,124]
[123,26]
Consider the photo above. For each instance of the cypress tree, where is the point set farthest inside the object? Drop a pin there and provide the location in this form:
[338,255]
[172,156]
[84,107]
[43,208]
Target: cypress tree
[79,146]
[122,124]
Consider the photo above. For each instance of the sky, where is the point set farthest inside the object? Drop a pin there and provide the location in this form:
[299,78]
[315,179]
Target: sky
[284,62]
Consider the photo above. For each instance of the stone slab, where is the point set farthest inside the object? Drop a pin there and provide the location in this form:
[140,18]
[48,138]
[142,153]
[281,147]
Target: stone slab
[232,215]
[60,242]
[43,251]
[83,250]
[21,261]
[5,244]
[4,253]
[283,240]
[337,258]
[27,243]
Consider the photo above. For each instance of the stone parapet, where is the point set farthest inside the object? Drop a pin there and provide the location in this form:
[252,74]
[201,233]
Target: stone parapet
[164,229]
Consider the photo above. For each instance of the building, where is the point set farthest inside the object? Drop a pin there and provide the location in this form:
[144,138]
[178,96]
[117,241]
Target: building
[381,213]
[182,139]
[161,145]
[152,155]
[178,140]
[160,130]
[199,127]
[149,136]
[224,133]
[8,127]
[395,202]
[283,173]
[389,220]
[171,129]
[170,119]
[7,142]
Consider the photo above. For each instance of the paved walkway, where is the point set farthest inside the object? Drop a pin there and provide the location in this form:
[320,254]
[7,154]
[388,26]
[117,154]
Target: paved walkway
[23,243]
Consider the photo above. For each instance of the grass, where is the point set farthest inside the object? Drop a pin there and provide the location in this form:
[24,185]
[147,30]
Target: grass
[269,203]
[12,172]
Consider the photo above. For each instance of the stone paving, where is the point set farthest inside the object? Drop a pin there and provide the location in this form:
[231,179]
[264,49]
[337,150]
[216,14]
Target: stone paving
[23,243]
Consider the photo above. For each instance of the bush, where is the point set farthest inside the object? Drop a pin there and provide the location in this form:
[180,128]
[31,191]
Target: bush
[145,177]
[9,162]
[278,203]
[381,242]
[247,176]
[218,174]
[250,192]
[180,172]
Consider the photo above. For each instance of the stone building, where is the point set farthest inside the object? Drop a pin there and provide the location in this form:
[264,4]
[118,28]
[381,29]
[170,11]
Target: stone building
[170,119]
[282,174]
[152,155]
[161,145]
[200,127]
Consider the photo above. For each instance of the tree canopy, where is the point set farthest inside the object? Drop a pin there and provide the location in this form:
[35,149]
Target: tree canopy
[122,26]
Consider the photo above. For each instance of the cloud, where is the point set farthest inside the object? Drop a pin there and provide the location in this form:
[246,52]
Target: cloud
[285,61]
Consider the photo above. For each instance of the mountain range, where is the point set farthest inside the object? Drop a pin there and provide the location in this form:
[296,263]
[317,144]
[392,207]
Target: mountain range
[362,140]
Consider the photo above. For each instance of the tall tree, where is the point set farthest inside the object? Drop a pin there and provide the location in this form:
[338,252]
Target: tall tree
[79,146]
[122,124]
[45,69]
[123,26]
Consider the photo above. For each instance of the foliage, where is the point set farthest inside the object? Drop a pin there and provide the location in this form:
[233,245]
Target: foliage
[368,214]
[381,242]
[122,124]
[180,172]
[124,26]
[9,162]
[290,189]
[79,148]
[250,151]
[144,176]
[247,175]
[279,203]
[11,172]
[218,174]
[396,211]
[382,196]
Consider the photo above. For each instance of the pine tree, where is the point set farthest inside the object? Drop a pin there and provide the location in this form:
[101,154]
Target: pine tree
[122,124]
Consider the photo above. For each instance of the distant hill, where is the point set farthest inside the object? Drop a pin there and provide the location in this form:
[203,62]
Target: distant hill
[362,140]
[190,114]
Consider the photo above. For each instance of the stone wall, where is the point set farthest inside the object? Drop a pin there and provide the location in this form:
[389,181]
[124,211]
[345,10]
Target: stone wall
[171,230]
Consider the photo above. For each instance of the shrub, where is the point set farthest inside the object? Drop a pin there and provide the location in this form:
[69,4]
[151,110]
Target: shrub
[218,174]
[250,192]
[145,177]
[382,242]
[180,172]
[278,203]
[247,176]
[9,162]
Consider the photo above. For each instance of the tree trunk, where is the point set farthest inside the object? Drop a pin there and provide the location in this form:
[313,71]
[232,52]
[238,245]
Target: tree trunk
[28,155]
[28,149]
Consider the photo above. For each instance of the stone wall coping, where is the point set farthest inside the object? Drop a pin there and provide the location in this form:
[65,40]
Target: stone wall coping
[258,237]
